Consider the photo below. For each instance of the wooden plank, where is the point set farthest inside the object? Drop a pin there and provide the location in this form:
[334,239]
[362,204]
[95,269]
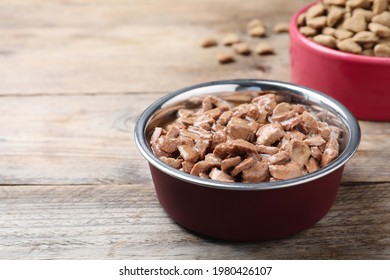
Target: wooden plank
[126,222]
[88,139]
[130,46]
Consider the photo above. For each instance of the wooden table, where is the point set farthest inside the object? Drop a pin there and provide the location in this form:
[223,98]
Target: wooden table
[74,77]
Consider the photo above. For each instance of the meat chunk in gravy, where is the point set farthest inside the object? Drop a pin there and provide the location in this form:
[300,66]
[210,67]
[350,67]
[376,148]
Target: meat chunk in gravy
[250,137]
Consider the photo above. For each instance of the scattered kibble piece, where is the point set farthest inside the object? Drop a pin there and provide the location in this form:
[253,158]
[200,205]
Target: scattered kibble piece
[230,39]
[282,27]
[225,57]
[353,26]
[255,22]
[209,42]
[264,48]
[242,48]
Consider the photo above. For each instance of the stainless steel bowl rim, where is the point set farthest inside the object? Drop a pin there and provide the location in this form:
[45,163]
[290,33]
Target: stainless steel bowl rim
[349,121]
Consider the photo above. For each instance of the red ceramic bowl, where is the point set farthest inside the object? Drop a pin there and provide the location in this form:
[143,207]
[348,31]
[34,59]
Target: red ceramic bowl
[240,211]
[361,83]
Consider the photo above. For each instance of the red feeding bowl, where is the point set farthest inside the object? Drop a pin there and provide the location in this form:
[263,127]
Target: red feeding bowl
[361,83]
[241,211]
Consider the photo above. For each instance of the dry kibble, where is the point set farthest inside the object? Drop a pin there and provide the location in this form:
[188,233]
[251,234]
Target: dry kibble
[315,11]
[301,19]
[209,42]
[329,31]
[242,48]
[356,23]
[264,48]
[335,15]
[383,18]
[365,37]
[348,45]
[366,13]
[368,52]
[342,34]
[385,41]
[325,40]
[379,29]
[257,31]
[317,22]
[308,31]
[281,27]
[230,39]
[382,50]
[379,6]
[335,2]
[353,4]
[225,57]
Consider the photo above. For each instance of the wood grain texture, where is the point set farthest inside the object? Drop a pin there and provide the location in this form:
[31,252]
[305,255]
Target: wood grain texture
[126,222]
[74,77]
[127,46]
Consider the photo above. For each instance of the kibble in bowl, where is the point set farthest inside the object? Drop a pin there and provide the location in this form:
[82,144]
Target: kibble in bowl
[234,159]
[341,48]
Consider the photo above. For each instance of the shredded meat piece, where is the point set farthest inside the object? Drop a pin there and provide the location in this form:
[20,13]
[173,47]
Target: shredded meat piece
[234,147]
[283,116]
[267,101]
[245,164]
[202,167]
[213,159]
[281,108]
[175,163]
[230,163]
[330,153]
[300,152]
[268,134]
[201,147]
[269,150]
[173,131]
[287,171]
[316,140]
[185,113]
[188,134]
[324,131]
[239,129]
[204,122]
[158,131]
[310,122]
[316,153]
[253,112]
[188,154]
[168,145]
[291,123]
[279,157]
[225,117]
[312,165]
[187,166]
[256,173]
[200,131]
